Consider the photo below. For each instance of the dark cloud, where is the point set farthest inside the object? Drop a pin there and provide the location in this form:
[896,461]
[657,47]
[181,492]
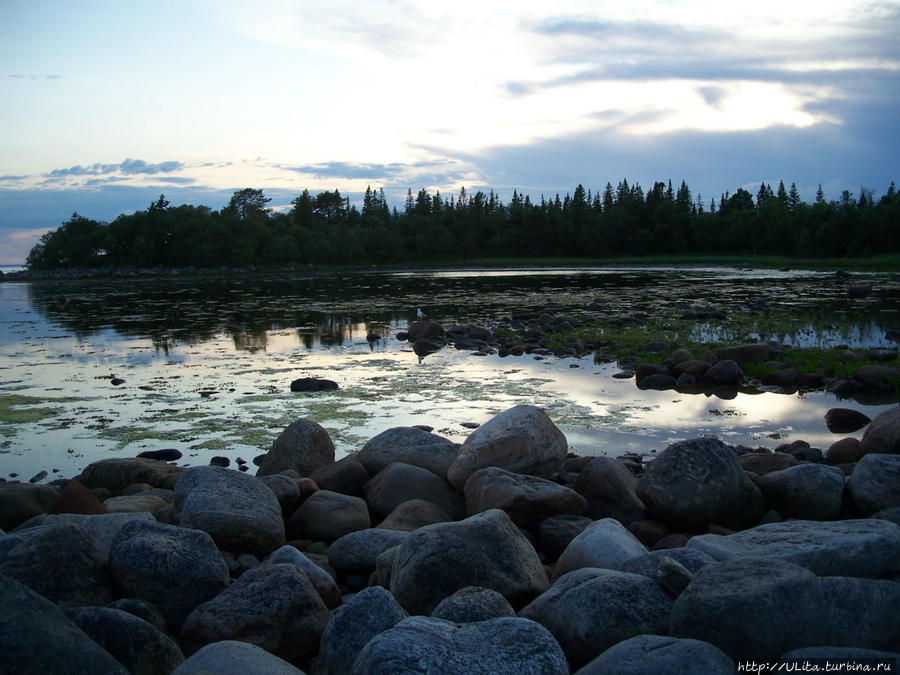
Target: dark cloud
[126,167]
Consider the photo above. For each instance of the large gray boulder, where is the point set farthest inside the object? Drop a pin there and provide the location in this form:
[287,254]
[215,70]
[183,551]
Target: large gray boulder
[37,637]
[883,434]
[851,548]
[505,646]
[356,552]
[328,516]
[645,654]
[57,561]
[604,543]
[238,511]
[272,606]
[697,482]
[591,609]
[875,482]
[413,514]
[805,491]
[303,446]
[610,490]
[861,612]
[22,501]
[409,445]
[526,499]
[398,482]
[115,474]
[368,613]
[522,439]
[483,550]
[232,657]
[473,604]
[751,608]
[323,582]
[133,642]
[174,568]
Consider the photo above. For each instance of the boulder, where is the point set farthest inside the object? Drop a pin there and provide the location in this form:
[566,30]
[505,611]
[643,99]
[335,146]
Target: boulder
[368,613]
[165,454]
[610,491]
[504,646]
[762,463]
[723,373]
[74,497]
[425,329]
[875,482]
[409,445]
[697,482]
[522,439]
[483,550]
[272,606]
[658,382]
[861,612]
[648,564]
[557,532]
[472,604]
[21,501]
[347,476]
[751,608]
[328,516]
[174,568]
[136,644]
[883,435]
[603,544]
[754,352]
[303,446]
[693,367]
[58,562]
[285,489]
[399,482]
[232,657]
[845,451]
[142,610]
[660,654]
[589,610]
[38,638]
[356,552]
[806,491]
[877,378]
[320,579]
[857,548]
[238,511]
[526,499]
[313,384]
[845,420]
[146,503]
[116,474]
[413,514]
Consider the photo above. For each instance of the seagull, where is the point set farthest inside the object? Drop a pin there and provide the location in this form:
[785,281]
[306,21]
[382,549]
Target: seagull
[419,313]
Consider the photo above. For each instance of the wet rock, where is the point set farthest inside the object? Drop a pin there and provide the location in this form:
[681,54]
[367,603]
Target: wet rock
[219,461]
[472,604]
[697,482]
[38,638]
[845,420]
[368,613]
[658,382]
[133,642]
[877,378]
[723,373]
[875,482]
[858,548]
[356,552]
[505,646]
[116,474]
[174,568]
[604,543]
[347,476]
[409,445]
[845,451]
[784,377]
[484,550]
[327,516]
[421,330]
[413,514]
[609,489]
[806,492]
[321,580]
[589,610]
[399,482]
[694,367]
[861,613]
[751,609]
[74,497]
[303,446]
[313,384]
[883,434]
[526,499]
[21,501]
[747,353]
[233,657]
[522,439]
[660,654]
[272,606]
[762,463]
[165,454]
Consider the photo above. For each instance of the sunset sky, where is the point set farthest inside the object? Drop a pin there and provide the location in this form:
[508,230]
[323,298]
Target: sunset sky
[105,105]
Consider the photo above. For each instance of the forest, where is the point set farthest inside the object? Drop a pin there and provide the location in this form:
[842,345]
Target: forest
[622,221]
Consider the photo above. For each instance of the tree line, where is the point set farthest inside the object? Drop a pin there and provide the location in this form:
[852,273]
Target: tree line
[622,221]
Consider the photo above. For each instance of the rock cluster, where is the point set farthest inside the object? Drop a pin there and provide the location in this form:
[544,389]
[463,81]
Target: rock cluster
[504,554]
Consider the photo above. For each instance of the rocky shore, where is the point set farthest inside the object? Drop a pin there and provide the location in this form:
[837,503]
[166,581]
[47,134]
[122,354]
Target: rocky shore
[503,554]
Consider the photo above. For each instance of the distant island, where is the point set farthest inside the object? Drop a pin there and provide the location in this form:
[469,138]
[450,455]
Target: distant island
[621,221]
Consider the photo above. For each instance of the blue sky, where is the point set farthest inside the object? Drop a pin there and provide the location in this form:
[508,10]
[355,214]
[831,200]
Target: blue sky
[103,106]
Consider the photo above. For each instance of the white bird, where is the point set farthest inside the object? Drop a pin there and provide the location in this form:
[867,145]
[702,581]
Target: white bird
[419,313]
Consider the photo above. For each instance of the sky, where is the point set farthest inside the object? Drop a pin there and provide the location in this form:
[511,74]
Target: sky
[106,105]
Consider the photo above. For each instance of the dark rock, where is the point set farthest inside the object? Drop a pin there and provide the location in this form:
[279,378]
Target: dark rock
[723,373]
[526,499]
[590,610]
[21,501]
[645,370]
[610,491]
[413,514]
[660,654]
[409,445]
[806,492]
[746,353]
[321,580]
[327,516]
[472,604]
[835,654]
[421,330]
[505,646]
[785,377]
[74,497]
[658,382]
[232,657]
[877,378]
[484,550]
[399,482]
[693,367]
[557,532]
[649,532]
[219,461]
[883,434]
[875,482]
[102,527]
[165,454]
[313,384]
[845,420]
[142,610]
[423,348]
[285,489]
[861,613]
[845,451]
[603,544]
[859,290]
[724,604]
[174,568]
[648,564]
[133,642]
[347,476]
[762,463]
[303,446]
[356,552]
[115,474]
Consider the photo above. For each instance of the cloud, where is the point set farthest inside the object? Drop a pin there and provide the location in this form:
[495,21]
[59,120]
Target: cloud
[128,167]
[50,76]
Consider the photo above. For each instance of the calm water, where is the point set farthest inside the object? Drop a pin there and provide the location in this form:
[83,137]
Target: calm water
[207,362]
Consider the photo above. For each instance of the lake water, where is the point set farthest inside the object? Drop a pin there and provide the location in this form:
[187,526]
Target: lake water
[207,361]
